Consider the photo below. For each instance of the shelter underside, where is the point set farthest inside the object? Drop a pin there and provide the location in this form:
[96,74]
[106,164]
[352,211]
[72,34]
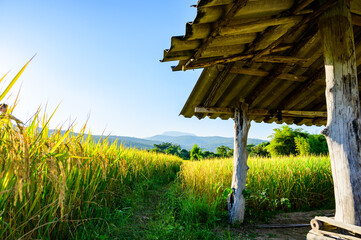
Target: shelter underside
[265,53]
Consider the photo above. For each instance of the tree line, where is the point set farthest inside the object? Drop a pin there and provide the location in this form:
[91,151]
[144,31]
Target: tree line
[196,153]
[284,141]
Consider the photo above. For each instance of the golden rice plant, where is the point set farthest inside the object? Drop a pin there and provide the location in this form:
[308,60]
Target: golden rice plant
[296,182]
[52,182]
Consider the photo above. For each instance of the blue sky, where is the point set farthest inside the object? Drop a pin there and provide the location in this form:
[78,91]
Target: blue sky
[101,59]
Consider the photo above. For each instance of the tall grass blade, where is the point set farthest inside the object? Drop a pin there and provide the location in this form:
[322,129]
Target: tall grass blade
[14,80]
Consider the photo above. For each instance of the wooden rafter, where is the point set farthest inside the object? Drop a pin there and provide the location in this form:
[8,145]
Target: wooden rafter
[279,69]
[292,96]
[235,58]
[302,5]
[220,79]
[356,19]
[254,26]
[293,29]
[219,25]
[261,73]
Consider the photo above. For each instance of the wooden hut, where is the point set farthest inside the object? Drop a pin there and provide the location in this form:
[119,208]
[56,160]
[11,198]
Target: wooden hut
[284,61]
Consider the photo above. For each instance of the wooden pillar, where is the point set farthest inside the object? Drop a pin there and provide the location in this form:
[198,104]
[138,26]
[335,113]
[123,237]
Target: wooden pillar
[343,129]
[236,200]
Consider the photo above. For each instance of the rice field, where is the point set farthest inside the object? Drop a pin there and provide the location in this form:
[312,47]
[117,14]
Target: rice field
[282,183]
[53,183]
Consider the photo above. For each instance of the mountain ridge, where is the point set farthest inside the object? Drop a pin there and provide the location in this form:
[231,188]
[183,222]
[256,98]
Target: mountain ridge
[207,143]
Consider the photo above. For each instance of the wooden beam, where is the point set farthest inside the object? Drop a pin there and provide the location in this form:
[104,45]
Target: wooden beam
[355,6]
[281,59]
[258,25]
[218,26]
[312,114]
[343,131]
[302,5]
[214,110]
[217,84]
[235,58]
[278,70]
[236,199]
[261,112]
[297,92]
[288,113]
[293,29]
[261,73]
[356,19]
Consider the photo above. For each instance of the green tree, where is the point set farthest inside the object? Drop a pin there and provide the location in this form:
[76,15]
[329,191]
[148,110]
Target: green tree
[286,141]
[174,150]
[318,144]
[168,148]
[230,152]
[222,151]
[283,140]
[249,147]
[161,147]
[208,154]
[185,154]
[302,146]
[260,150]
[196,153]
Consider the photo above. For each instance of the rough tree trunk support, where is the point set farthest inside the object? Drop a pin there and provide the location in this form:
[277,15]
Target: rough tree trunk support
[343,129]
[236,200]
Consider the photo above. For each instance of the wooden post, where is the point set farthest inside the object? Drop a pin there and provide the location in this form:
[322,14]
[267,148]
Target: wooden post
[236,200]
[343,129]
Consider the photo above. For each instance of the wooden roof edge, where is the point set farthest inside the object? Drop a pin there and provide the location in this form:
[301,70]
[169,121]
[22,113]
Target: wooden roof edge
[262,112]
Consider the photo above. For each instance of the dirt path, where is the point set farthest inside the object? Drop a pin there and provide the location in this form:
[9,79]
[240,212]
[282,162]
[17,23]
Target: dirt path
[143,212]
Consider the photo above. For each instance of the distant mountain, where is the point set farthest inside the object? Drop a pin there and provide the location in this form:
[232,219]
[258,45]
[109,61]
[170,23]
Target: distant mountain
[206,143]
[185,140]
[177,134]
[130,142]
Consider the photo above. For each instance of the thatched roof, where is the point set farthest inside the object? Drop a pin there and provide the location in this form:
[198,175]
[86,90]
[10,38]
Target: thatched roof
[266,53]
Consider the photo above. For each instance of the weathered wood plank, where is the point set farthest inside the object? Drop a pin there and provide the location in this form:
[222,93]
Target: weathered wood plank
[333,235]
[343,131]
[330,221]
[261,112]
[235,58]
[304,113]
[280,59]
[221,78]
[297,92]
[258,25]
[219,24]
[293,29]
[261,90]
[303,4]
[236,200]
[213,110]
[356,19]
[355,6]
[261,73]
